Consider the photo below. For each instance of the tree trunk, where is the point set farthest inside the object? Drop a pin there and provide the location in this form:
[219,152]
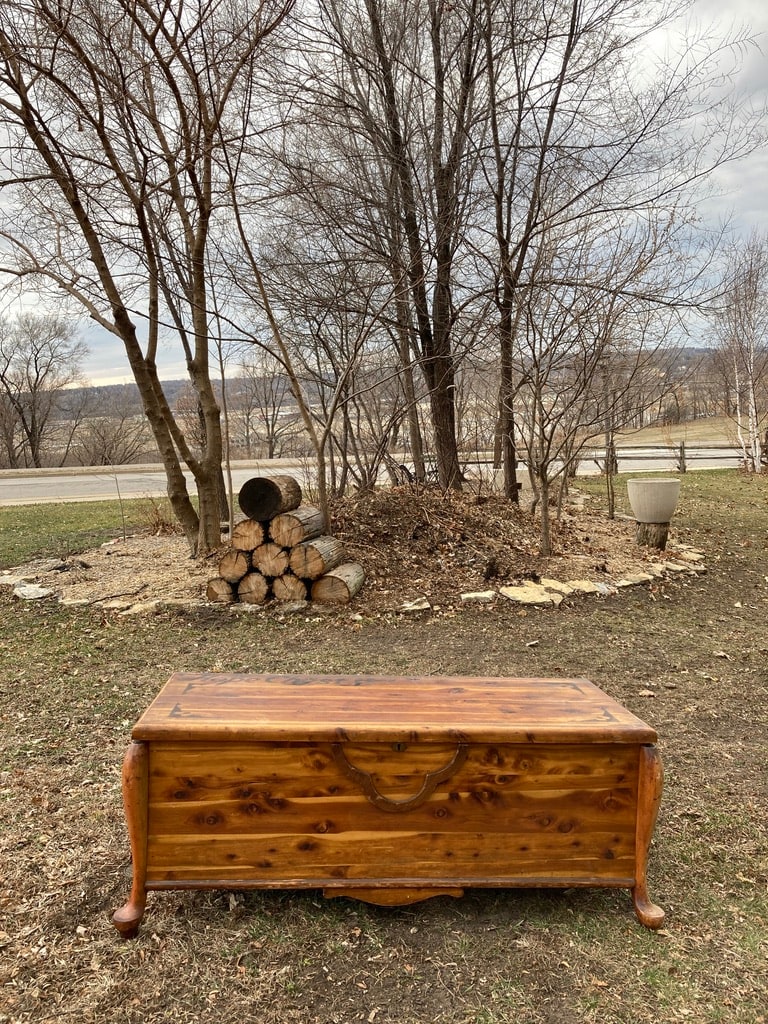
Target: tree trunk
[339,585]
[247,535]
[315,557]
[270,559]
[291,528]
[253,589]
[289,588]
[652,535]
[264,498]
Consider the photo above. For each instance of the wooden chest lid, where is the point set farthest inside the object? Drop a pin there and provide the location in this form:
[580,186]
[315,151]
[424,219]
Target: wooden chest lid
[237,707]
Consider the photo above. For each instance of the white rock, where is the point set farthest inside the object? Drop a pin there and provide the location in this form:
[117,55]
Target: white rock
[31,592]
[479,596]
[420,604]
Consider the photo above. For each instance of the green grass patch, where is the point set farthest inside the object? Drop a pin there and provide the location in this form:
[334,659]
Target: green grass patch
[68,528]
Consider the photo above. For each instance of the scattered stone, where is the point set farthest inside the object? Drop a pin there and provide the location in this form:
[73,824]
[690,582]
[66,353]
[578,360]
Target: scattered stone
[674,567]
[560,588]
[12,578]
[529,593]
[240,608]
[584,587]
[31,592]
[634,578]
[420,604]
[479,596]
[690,556]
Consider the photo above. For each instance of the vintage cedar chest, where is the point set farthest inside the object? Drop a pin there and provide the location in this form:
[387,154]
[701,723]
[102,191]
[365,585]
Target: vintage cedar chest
[388,789]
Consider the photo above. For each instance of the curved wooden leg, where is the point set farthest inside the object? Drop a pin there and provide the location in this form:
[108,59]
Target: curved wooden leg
[650,784]
[135,779]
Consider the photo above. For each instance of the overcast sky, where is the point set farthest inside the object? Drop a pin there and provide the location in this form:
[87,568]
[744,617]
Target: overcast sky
[742,188]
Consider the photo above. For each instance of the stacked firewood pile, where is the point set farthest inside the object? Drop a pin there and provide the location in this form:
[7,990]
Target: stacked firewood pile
[281,551]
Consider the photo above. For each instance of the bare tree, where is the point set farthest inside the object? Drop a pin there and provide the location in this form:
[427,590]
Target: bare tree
[591,336]
[115,432]
[261,400]
[40,357]
[740,327]
[583,129]
[114,119]
[392,87]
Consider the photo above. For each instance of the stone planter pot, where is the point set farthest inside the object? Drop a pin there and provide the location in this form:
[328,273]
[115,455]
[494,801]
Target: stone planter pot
[653,503]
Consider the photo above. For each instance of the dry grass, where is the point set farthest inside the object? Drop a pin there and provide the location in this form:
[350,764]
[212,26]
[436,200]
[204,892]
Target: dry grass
[73,680]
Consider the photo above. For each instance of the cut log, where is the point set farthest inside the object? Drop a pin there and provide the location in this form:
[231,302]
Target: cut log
[253,589]
[270,559]
[291,528]
[289,588]
[247,535]
[652,535]
[339,585]
[220,590]
[234,565]
[264,497]
[315,557]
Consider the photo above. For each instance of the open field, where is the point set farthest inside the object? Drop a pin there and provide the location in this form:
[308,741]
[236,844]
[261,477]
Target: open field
[689,655]
[718,430]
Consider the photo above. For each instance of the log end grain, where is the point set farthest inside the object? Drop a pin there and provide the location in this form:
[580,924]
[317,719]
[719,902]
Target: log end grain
[263,497]
[247,535]
[234,565]
[253,589]
[220,590]
[270,559]
[289,588]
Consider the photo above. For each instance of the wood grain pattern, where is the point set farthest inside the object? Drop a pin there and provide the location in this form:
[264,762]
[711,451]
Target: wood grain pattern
[247,535]
[289,588]
[389,789]
[312,558]
[253,588]
[339,585]
[358,708]
[291,528]
[134,780]
[270,559]
[234,565]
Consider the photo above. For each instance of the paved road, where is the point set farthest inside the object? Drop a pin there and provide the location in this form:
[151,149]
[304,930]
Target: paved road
[91,483]
[35,486]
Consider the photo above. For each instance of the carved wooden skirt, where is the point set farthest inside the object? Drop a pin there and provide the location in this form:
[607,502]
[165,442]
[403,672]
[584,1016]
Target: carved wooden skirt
[386,789]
